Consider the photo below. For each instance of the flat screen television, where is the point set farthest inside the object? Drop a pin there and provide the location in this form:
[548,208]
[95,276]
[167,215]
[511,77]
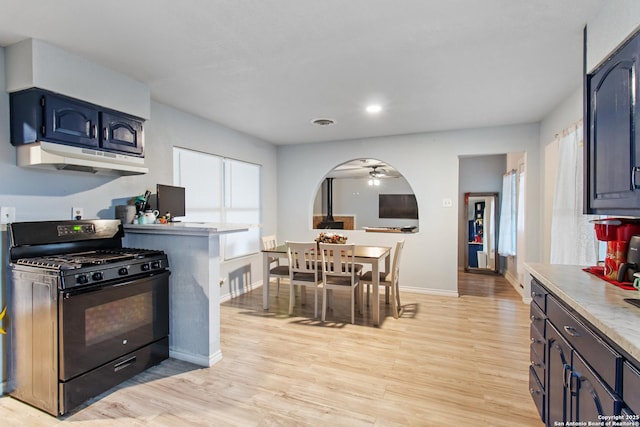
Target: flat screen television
[403,206]
[170,199]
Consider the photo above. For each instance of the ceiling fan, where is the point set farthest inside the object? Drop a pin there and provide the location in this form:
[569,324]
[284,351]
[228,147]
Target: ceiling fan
[375,173]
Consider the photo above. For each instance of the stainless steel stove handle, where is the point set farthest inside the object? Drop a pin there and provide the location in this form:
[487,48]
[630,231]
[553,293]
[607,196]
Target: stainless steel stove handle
[124,364]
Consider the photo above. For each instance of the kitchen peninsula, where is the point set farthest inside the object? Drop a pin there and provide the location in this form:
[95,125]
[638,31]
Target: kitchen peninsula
[193,250]
[584,339]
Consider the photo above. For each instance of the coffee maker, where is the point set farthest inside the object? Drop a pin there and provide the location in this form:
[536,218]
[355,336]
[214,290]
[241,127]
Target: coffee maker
[632,263]
[623,247]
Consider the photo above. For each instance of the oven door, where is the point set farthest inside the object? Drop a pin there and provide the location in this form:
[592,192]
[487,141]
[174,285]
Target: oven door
[101,324]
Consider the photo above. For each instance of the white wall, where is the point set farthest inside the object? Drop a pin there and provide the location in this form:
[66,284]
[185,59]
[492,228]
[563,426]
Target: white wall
[429,162]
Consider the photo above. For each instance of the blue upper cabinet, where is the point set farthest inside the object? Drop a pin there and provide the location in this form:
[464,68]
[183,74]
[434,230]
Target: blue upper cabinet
[68,121]
[122,133]
[612,167]
[39,115]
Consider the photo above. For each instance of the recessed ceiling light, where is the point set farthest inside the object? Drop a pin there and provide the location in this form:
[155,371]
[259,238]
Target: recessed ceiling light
[323,122]
[374,108]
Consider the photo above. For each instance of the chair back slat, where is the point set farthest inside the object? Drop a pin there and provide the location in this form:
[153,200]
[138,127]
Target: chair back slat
[269,242]
[303,257]
[338,259]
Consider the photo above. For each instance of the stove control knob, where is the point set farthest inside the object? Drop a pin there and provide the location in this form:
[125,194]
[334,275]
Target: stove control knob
[97,275]
[145,267]
[123,271]
[155,264]
[82,279]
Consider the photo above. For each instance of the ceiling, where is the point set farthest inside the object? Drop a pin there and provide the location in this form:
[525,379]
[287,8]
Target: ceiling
[268,68]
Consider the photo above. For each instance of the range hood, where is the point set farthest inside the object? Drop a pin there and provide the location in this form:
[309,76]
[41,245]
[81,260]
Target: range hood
[47,155]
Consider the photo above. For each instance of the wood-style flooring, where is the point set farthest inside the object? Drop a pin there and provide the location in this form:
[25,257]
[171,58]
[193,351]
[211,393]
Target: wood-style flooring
[446,362]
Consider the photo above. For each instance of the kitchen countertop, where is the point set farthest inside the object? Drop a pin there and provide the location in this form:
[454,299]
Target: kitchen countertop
[185,228]
[599,302]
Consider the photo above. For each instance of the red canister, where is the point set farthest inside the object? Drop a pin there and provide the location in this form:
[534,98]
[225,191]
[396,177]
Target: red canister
[616,256]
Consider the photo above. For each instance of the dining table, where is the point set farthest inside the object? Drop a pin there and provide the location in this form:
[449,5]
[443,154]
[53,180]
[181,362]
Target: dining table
[364,254]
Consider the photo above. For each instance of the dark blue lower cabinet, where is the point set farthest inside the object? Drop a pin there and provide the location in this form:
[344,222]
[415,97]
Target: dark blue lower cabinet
[575,392]
[592,400]
[558,371]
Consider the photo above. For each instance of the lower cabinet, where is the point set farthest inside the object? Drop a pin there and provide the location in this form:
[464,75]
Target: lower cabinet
[558,368]
[591,398]
[575,392]
[580,378]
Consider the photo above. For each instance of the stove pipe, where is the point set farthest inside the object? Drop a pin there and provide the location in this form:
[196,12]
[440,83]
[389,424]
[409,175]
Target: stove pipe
[328,220]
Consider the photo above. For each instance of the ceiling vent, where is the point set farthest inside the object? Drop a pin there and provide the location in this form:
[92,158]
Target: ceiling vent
[323,122]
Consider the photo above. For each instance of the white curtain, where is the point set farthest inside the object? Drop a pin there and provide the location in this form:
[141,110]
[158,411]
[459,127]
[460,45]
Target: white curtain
[573,239]
[508,218]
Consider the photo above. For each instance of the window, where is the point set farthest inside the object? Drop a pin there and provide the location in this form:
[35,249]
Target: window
[223,191]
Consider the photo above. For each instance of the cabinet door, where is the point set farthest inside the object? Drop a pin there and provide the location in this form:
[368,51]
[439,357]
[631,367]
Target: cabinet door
[69,122]
[592,399]
[558,376]
[122,133]
[612,115]
[631,387]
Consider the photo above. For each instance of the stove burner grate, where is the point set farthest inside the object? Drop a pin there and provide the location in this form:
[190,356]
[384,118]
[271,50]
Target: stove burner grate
[85,259]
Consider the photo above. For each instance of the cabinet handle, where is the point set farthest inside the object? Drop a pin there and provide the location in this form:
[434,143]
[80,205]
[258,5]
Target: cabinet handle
[534,391]
[534,294]
[566,375]
[94,131]
[105,134]
[634,171]
[571,331]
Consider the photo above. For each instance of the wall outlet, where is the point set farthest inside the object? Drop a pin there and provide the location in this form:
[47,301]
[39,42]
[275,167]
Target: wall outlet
[77,213]
[7,215]
[447,203]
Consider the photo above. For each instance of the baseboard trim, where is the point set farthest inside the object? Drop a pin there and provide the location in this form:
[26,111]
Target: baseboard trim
[197,359]
[429,291]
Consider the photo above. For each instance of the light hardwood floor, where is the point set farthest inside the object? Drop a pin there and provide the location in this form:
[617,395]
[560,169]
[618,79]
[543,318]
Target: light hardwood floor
[446,362]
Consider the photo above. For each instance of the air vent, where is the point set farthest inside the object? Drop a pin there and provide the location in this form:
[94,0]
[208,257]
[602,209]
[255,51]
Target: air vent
[323,122]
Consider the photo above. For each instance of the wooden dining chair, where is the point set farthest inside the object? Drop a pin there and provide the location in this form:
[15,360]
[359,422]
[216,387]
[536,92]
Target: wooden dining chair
[389,280]
[340,272]
[303,271]
[275,268]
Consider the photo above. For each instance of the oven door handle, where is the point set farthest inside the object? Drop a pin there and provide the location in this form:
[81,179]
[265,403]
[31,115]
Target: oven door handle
[124,364]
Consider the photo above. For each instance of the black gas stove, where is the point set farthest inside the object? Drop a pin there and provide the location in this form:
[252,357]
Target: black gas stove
[80,252]
[87,313]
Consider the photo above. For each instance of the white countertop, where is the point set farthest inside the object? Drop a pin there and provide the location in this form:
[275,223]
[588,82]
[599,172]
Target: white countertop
[185,228]
[599,302]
